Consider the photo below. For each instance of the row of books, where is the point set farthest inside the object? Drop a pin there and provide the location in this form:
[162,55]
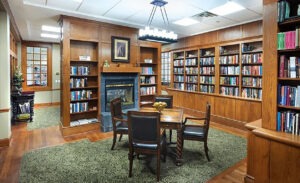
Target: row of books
[283,11]
[230,70]
[149,90]
[147,70]
[79,70]
[178,62]
[207,88]
[81,95]
[79,107]
[229,80]
[252,70]
[178,78]
[289,95]
[191,62]
[147,79]
[179,70]
[78,82]
[228,90]
[230,59]
[288,122]
[191,79]
[191,87]
[207,70]
[252,81]
[288,40]
[289,67]
[83,121]
[179,86]
[191,70]
[252,58]
[207,80]
[207,61]
[252,93]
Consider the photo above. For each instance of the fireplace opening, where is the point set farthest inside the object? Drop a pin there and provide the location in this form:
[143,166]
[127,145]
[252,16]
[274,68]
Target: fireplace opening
[119,88]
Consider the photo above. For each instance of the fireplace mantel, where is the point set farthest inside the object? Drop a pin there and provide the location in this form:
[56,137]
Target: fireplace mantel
[120,69]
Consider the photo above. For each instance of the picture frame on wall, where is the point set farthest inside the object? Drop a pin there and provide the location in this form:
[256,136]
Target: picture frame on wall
[120,49]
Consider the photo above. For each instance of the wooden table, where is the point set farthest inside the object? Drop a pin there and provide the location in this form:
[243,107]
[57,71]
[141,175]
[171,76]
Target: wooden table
[171,119]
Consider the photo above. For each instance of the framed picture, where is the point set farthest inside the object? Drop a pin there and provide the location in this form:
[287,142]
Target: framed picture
[120,49]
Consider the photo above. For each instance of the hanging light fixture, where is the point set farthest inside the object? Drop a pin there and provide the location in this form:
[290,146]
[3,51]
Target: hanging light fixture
[163,36]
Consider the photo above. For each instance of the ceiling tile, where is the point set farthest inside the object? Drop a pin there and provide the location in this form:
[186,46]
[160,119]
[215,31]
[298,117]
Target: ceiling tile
[97,7]
[38,2]
[243,15]
[70,5]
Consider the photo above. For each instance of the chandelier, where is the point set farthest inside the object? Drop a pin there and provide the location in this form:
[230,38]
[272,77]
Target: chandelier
[163,36]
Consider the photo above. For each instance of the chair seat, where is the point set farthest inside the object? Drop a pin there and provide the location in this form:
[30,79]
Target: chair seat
[121,126]
[193,131]
[147,146]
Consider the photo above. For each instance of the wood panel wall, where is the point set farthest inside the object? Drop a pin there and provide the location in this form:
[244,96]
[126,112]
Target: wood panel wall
[222,36]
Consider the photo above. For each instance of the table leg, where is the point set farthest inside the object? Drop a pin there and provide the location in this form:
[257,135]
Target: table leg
[179,148]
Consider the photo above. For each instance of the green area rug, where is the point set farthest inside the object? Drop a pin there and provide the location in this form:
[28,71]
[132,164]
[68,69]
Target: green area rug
[44,117]
[86,161]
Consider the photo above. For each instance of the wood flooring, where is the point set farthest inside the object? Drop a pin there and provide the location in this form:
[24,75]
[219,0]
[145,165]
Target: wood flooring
[23,141]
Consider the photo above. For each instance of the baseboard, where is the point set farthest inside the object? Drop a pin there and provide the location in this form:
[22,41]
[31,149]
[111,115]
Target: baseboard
[74,130]
[4,142]
[249,179]
[47,104]
[217,119]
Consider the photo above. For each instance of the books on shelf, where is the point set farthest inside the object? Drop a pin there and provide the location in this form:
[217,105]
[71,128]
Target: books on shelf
[79,107]
[188,70]
[207,61]
[191,62]
[207,88]
[191,79]
[289,95]
[191,87]
[289,67]
[147,79]
[181,70]
[230,70]
[79,70]
[207,80]
[147,70]
[81,94]
[252,70]
[78,82]
[179,86]
[83,121]
[252,93]
[288,122]
[207,70]
[283,10]
[229,59]
[232,80]
[177,63]
[252,81]
[252,58]
[229,90]
[148,90]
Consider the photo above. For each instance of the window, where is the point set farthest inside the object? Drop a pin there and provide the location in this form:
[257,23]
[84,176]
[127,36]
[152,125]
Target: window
[36,66]
[165,68]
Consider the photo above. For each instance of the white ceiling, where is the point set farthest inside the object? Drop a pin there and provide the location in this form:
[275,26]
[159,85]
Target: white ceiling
[30,15]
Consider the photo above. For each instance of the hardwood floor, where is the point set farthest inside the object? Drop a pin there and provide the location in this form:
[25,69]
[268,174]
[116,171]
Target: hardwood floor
[23,141]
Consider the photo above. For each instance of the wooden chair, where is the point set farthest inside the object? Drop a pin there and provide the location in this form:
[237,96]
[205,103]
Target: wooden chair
[120,125]
[197,132]
[146,137]
[169,100]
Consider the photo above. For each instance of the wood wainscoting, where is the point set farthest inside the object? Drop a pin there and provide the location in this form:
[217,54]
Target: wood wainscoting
[4,142]
[230,111]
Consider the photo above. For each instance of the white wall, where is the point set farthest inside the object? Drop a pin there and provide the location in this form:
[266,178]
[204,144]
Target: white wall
[5,125]
[54,95]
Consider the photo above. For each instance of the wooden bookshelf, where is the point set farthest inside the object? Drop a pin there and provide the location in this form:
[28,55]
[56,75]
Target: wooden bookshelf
[272,154]
[149,62]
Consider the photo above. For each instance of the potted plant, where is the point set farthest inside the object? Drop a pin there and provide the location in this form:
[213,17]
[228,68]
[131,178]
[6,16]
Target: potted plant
[17,81]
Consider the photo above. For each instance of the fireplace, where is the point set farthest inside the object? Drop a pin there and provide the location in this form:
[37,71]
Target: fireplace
[113,85]
[119,88]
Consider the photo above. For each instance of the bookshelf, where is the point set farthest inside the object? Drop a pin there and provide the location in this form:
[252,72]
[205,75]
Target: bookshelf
[191,70]
[252,67]
[149,77]
[207,70]
[273,150]
[178,70]
[80,86]
[229,69]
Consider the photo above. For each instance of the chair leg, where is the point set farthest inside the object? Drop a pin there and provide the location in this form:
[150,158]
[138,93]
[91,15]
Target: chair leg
[170,136]
[120,137]
[130,163]
[158,166]
[114,141]
[206,150]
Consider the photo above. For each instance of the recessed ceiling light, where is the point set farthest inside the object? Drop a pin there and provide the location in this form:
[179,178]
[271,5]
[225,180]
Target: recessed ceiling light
[228,8]
[54,36]
[50,28]
[186,22]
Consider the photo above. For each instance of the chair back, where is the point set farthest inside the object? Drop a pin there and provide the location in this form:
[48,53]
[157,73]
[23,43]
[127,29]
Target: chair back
[207,119]
[165,98]
[144,127]
[116,107]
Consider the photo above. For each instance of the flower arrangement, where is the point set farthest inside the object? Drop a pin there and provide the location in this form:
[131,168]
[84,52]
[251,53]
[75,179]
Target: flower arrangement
[17,80]
[159,106]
